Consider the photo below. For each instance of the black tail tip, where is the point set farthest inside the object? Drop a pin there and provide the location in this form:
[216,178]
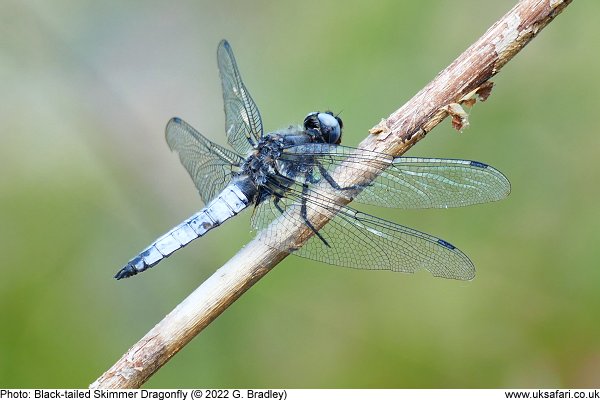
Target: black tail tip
[133,267]
[125,272]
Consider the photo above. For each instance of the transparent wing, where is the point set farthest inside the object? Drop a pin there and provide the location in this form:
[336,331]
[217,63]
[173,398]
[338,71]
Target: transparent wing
[243,124]
[355,239]
[402,182]
[210,165]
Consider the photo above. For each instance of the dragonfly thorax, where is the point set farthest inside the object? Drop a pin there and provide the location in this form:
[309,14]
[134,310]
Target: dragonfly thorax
[260,164]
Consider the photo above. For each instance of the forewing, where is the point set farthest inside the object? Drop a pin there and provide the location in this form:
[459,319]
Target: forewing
[210,165]
[402,182]
[355,239]
[243,124]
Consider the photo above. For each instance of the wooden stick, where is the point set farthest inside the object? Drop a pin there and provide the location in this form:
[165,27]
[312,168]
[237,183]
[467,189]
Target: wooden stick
[459,84]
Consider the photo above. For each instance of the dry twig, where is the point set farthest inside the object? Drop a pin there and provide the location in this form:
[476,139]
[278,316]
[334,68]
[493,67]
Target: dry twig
[459,84]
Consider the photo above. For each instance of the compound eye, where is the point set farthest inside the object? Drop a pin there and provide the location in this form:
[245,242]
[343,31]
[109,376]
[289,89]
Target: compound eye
[330,127]
[311,121]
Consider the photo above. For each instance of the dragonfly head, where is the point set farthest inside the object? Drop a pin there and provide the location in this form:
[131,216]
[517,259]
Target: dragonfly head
[325,126]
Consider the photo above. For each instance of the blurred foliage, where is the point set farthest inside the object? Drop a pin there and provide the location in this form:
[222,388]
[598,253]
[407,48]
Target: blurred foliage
[87,181]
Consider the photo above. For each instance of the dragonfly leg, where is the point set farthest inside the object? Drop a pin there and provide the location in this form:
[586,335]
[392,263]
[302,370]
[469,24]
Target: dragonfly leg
[276,204]
[303,212]
[325,174]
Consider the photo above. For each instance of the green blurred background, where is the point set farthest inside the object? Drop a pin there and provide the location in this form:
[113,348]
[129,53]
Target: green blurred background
[87,181]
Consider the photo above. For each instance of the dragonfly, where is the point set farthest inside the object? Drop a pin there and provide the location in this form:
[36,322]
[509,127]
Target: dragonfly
[300,176]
